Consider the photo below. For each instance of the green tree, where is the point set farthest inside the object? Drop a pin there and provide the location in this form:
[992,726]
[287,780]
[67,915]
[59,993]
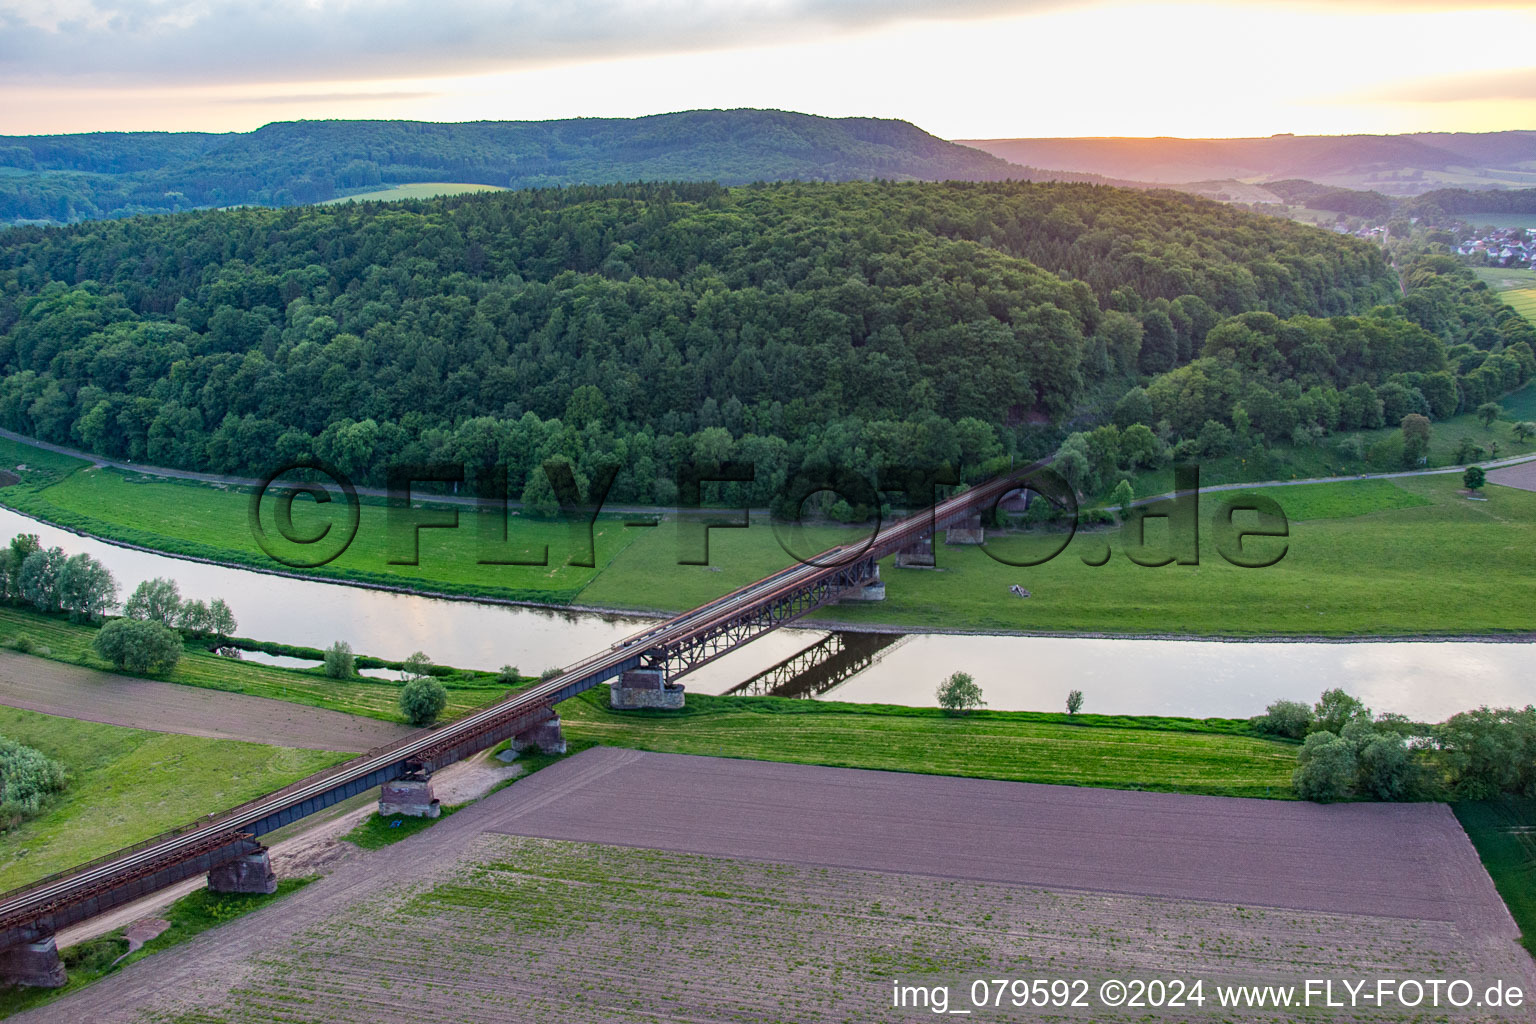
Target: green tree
[1335,709]
[417,666]
[422,700]
[1325,768]
[1474,478]
[1524,430]
[192,617]
[340,663]
[87,589]
[1488,412]
[1122,496]
[222,623]
[140,646]
[155,600]
[40,579]
[508,676]
[1074,702]
[1288,718]
[1415,428]
[959,694]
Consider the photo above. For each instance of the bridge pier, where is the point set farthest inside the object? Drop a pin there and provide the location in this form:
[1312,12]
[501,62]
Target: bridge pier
[644,688]
[410,795]
[34,964]
[546,738]
[967,531]
[871,588]
[918,556]
[251,872]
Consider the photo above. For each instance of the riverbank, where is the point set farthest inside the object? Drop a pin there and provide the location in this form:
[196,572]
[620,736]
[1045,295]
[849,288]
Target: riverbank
[1364,560]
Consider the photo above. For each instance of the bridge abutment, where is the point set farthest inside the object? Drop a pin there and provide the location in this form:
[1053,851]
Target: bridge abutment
[34,964]
[410,796]
[546,738]
[918,556]
[644,688]
[251,872]
[967,531]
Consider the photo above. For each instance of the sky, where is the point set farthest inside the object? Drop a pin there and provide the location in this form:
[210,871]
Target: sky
[963,69]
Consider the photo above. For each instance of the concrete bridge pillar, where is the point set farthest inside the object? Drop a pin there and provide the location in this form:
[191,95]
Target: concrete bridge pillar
[644,688]
[34,964]
[410,796]
[967,531]
[545,737]
[250,873]
[918,556]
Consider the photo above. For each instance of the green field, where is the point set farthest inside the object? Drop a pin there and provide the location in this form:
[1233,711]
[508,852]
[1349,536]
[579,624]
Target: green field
[1432,567]
[127,785]
[1504,832]
[211,521]
[1523,301]
[1502,279]
[375,698]
[1170,755]
[1500,220]
[1402,557]
[413,190]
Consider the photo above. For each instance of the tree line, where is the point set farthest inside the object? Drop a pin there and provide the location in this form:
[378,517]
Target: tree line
[1349,752]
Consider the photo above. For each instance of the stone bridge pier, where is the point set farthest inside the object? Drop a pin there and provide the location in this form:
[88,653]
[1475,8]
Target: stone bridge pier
[967,531]
[249,873]
[644,688]
[410,795]
[34,964]
[545,737]
[918,556]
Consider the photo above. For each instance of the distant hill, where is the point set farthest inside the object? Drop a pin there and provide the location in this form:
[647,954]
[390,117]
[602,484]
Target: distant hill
[80,177]
[1395,164]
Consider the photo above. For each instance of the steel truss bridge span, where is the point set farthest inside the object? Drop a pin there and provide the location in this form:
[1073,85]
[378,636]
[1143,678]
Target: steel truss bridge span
[676,646]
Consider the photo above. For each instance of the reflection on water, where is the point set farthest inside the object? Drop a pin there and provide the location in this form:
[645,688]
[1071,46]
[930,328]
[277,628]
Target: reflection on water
[1171,677]
[1426,681]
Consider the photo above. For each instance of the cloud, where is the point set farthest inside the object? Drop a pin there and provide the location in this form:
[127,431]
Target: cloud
[1474,86]
[326,97]
[85,42]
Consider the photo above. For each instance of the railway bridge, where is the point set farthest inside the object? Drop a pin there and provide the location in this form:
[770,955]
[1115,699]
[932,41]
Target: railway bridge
[227,847]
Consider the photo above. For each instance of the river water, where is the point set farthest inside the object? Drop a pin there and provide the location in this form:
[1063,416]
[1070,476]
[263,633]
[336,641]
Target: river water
[1426,681]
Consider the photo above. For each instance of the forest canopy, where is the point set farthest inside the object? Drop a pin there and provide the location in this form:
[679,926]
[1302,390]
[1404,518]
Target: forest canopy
[647,324]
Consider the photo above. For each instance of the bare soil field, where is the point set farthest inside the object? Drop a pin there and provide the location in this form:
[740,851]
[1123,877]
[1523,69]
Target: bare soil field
[54,688]
[469,921]
[1522,476]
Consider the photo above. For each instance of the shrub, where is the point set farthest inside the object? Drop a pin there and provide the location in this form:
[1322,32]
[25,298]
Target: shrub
[508,676]
[1074,702]
[140,646]
[1474,477]
[422,700]
[23,643]
[27,779]
[1325,767]
[959,693]
[340,663]
[1288,718]
[549,674]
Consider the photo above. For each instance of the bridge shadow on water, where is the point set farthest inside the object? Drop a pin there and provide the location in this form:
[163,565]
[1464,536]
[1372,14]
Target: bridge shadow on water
[821,667]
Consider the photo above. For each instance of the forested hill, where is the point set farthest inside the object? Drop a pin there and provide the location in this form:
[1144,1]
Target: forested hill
[867,323]
[66,178]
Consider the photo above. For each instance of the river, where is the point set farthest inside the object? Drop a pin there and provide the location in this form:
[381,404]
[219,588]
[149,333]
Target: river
[1424,680]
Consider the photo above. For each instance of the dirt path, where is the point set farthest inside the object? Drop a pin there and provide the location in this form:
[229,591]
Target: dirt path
[315,849]
[54,688]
